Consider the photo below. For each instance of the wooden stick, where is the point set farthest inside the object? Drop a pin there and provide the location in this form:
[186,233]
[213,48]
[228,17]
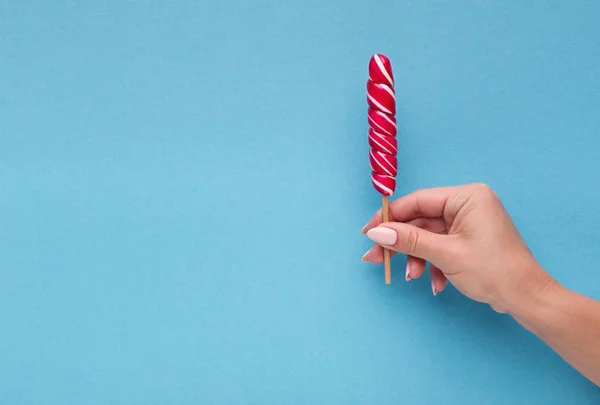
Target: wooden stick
[385,216]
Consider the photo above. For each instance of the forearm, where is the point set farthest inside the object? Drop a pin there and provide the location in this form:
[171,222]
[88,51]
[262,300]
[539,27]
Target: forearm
[568,322]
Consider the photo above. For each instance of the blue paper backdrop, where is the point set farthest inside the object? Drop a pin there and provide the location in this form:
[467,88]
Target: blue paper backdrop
[183,185]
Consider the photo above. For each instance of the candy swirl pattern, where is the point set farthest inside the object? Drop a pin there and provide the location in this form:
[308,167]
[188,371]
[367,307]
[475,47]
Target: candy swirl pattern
[382,132]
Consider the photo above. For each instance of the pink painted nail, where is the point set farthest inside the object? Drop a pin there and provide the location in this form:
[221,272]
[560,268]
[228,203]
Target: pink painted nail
[364,229]
[383,235]
[433,288]
[407,271]
[365,257]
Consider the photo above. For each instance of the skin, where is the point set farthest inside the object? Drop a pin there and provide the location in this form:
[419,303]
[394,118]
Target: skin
[467,236]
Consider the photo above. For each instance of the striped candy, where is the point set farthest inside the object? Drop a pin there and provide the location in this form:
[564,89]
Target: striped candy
[380,122]
[380,70]
[381,97]
[383,143]
[384,184]
[383,163]
[382,134]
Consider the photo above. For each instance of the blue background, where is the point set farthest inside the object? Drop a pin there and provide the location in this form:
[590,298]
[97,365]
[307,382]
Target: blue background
[183,185]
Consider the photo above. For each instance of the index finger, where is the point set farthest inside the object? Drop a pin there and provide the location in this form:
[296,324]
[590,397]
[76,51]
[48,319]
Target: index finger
[425,203]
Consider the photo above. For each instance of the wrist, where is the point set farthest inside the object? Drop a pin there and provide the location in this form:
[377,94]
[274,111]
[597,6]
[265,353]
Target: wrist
[532,296]
[531,286]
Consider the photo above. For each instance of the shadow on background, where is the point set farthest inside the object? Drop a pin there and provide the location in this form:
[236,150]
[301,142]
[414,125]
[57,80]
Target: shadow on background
[482,331]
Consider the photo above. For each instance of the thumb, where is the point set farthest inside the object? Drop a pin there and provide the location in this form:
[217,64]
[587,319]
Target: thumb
[410,240]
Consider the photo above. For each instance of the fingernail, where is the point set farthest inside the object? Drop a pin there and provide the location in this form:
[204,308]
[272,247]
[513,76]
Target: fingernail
[433,288]
[407,271]
[365,257]
[364,229]
[382,235]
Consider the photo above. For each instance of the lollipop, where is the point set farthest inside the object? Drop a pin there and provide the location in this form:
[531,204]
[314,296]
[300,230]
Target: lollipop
[382,136]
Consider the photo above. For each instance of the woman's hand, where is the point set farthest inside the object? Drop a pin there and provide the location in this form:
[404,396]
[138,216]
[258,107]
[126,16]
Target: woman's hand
[468,238]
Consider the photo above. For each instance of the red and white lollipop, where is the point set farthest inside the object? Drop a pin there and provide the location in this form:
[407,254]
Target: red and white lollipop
[382,136]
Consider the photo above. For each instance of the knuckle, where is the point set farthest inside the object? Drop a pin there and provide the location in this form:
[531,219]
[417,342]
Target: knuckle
[482,187]
[412,241]
[484,191]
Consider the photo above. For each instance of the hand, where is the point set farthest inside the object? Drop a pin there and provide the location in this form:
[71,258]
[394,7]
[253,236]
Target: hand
[468,238]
